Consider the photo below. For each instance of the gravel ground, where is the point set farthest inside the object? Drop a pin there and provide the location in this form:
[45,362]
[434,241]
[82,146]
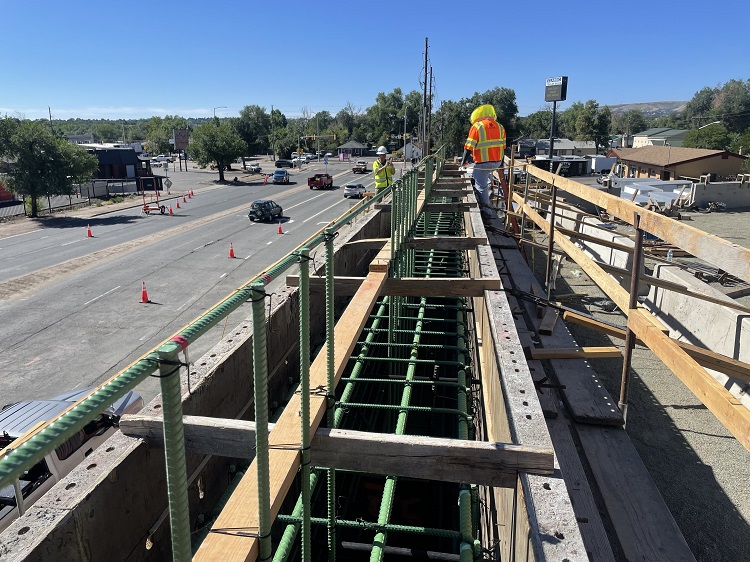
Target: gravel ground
[700,468]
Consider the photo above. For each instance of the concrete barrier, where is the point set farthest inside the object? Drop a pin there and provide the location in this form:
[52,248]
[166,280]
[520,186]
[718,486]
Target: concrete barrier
[702,323]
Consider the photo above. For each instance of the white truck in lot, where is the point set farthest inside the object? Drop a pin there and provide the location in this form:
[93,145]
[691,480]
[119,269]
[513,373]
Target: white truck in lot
[22,417]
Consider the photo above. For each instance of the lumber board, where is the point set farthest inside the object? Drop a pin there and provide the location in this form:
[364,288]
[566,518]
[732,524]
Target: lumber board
[409,286]
[574,352]
[450,460]
[230,536]
[590,238]
[717,251]
[642,522]
[457,207]
[704,357]
[728,410]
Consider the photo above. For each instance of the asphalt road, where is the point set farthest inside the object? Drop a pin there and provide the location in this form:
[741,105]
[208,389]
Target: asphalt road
[70,304]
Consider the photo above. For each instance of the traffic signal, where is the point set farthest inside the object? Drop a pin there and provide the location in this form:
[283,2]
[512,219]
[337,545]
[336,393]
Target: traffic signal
[334,136]
[315,137]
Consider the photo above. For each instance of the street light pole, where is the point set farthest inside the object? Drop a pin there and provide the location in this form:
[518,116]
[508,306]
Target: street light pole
[219,107]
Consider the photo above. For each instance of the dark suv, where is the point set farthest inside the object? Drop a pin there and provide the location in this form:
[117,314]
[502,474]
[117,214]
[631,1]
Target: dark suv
[263,210]
[284,164]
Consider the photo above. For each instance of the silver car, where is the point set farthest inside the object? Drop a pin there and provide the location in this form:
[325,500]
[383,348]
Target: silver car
[354,190]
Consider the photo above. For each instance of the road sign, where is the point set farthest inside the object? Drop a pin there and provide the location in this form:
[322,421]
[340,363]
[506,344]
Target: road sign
[168,183]
[556,88]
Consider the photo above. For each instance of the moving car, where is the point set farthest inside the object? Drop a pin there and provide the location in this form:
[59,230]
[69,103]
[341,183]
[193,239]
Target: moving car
[360,167]
[284,164]
[254,168]
[280,176]
[17,419]
[320,181]
[354,190]
[264,209]
[163,158]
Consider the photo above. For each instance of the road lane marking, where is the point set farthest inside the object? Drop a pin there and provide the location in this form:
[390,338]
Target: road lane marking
[102,295]
[184,305]
[223,275]
[23,234]
[323,211]
[305,202]
[69,243]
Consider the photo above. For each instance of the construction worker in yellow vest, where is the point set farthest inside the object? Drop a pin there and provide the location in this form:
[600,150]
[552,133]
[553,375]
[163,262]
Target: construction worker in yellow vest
[383,169]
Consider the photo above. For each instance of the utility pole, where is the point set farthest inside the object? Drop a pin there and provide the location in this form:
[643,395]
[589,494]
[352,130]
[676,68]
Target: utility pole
[317,137]
[429,118]
[424,97]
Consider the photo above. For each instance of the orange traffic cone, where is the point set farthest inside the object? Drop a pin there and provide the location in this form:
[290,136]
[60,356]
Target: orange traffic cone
[183,199]
[144,294]
[178,203]
[170,210]
[231,250]
[88,232]
[190,194]
[280,231]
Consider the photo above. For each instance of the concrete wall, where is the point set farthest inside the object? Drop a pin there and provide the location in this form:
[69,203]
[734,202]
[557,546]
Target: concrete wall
[111,507]
[580,222]
[705,324]
[733,193]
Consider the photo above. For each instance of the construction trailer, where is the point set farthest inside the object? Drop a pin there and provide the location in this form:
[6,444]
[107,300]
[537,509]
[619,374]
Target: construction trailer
[410,392]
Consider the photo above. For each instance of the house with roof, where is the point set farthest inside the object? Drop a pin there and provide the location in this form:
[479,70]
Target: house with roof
[676,162]
[659,137]
[351,148]
[566,147]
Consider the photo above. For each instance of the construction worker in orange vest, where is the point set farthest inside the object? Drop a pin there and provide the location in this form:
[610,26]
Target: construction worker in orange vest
[485,143]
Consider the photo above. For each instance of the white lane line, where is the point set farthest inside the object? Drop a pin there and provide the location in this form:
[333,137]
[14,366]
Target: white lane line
[23,234]
[203,246]
[324,210]
[69,243]
[102,295]
[187,302]
[305,202]
[223,275]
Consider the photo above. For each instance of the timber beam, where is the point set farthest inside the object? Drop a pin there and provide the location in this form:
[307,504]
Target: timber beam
[409,286]
[426,458]
[573,353]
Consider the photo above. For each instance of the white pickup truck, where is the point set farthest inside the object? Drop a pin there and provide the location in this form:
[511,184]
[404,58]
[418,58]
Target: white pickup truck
[22,417]
[163,158]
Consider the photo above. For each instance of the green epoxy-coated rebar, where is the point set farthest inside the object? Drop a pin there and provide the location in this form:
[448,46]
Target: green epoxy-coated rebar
[389,528]
[174,452]
[331,385]
[304,362]
[260,398]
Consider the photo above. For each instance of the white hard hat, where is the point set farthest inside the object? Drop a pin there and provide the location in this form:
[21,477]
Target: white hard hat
[381,150]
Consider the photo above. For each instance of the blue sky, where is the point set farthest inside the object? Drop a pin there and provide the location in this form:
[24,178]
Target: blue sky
[116,60]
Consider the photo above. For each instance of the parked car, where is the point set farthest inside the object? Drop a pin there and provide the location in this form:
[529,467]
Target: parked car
[163,158]
[280,176]
[354,190]
[284,164]
[254,168]
[16,419]
[263,210]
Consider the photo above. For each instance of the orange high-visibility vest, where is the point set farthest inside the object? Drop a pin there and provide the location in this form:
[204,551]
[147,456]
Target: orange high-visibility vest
[486,140]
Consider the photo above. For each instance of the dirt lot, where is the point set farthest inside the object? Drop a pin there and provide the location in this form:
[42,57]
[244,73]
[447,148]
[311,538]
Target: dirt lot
[699,467]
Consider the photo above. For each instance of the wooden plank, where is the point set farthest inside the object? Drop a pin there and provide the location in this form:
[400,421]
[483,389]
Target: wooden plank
[717,251]
[450,460]
[458,207]
[229,538]
[573,352]
[727,409]
[704,357]
[644,526]
[573,234]
[409,286]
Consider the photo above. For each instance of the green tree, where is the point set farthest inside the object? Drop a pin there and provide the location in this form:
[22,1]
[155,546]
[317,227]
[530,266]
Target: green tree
[218,143]
[536,125]
[254,126]
[732,105]
[714,137]
[45,164]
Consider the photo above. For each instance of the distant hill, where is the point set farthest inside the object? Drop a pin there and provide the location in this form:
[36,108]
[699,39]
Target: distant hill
[654,108]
